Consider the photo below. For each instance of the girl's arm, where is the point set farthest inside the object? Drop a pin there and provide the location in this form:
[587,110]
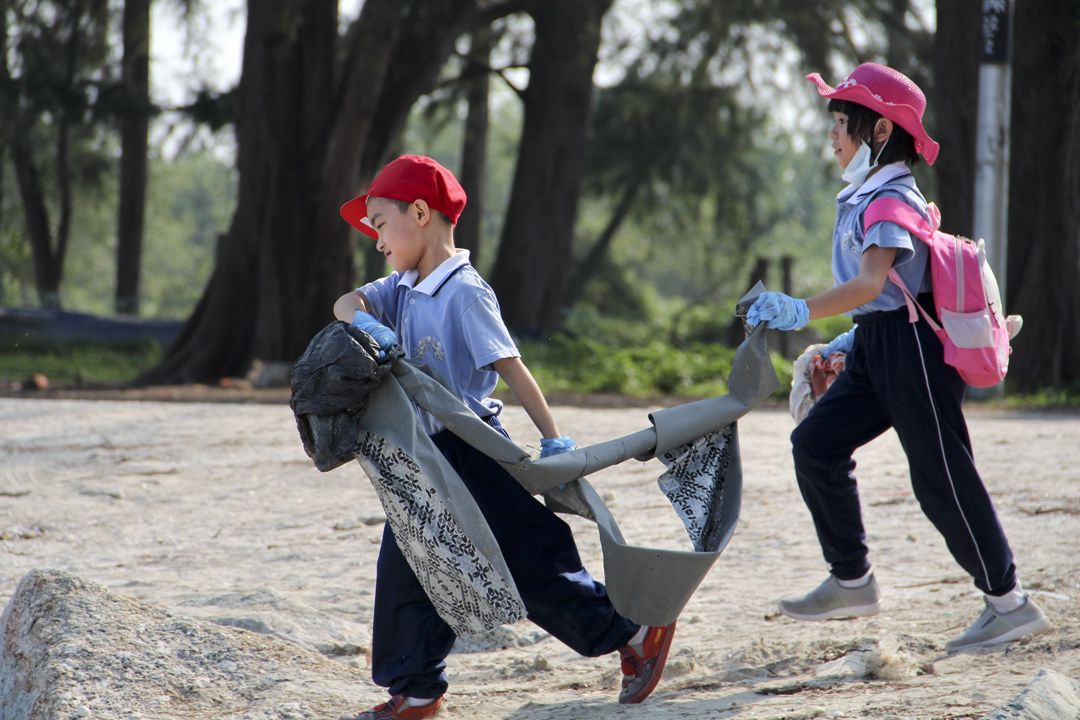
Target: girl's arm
[861,289]
[523,385]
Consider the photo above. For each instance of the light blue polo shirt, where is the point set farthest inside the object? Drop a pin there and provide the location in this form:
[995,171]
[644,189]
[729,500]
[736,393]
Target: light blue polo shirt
[849,242]
[449,322]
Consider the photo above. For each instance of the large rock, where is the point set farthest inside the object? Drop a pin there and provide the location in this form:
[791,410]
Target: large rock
[268,613]
[72,649]
[1050,696]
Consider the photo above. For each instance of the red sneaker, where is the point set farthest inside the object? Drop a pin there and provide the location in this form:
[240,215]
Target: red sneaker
[397,708]
[641,672]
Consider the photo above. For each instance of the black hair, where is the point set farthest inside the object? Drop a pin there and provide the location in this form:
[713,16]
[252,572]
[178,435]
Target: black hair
[404,205]
[860,126]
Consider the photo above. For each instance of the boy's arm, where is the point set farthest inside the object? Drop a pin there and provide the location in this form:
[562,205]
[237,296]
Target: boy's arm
[523,385]
[347,305]
[353,308]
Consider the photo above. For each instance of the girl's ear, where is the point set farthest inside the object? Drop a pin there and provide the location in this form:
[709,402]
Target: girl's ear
[882,130]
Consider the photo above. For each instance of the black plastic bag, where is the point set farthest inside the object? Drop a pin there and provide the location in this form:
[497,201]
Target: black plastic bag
[331,383]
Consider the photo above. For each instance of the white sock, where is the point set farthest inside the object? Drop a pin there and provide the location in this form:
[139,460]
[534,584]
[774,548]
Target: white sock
[857,582]
[418,702]
[1010,600]
[639,637]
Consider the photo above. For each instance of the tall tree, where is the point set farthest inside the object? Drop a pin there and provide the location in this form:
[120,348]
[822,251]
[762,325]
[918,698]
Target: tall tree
[134,125]
[955,96]
[1044,185]
[530,270]
[59,47]
[474,144]
[314,122]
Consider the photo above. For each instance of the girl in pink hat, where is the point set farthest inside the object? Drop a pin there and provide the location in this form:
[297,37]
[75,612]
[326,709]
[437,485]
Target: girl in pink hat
[895,375]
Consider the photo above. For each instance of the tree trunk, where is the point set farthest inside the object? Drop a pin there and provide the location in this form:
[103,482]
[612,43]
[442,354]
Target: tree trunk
[474,147]
[36,217]
[303,125]
[535,251]
[134,124]
[427,37]
[956,96]
[586,268]
[1044,184]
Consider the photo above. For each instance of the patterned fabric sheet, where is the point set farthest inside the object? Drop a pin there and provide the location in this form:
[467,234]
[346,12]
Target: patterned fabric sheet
[694,484]
[463,586]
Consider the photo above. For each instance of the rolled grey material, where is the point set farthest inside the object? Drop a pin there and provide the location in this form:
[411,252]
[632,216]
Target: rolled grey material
[649,586]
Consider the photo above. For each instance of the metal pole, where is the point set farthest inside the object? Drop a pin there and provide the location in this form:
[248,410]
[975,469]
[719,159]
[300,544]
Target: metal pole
[992,137]
[991,221]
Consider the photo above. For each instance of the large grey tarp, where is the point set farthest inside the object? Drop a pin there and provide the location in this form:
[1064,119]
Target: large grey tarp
[447,542]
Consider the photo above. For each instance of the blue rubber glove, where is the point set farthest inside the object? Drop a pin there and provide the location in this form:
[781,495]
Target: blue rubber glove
[841,343]
[383,336]
[779,311]
[556,445]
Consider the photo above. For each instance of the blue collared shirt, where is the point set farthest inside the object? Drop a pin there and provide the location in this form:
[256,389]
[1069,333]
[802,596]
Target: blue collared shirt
[849,241]
[449,322]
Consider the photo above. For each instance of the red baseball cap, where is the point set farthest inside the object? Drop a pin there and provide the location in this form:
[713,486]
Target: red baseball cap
[409,178]
[889,93]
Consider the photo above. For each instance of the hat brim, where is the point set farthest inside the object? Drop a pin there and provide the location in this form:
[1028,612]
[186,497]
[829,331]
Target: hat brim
[903,115]
[354,212]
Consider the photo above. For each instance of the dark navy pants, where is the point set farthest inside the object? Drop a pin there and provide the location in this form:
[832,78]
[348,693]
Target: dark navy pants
[410,641]
[896,377]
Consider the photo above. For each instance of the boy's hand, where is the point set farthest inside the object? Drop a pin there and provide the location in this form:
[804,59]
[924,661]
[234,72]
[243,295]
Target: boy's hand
[556,445]
[383,336]
[779,311]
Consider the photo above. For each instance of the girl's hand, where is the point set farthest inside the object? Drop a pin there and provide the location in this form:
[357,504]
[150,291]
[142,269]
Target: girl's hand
[779,311]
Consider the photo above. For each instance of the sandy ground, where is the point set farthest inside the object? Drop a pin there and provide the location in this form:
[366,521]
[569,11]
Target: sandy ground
[176,503]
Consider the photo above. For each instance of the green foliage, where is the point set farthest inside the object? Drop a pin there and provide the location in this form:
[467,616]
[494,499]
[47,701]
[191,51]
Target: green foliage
[1045,399]
[78,363]
[598,354]
[189,204]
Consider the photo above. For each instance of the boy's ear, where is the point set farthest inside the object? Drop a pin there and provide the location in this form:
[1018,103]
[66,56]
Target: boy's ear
[421,212]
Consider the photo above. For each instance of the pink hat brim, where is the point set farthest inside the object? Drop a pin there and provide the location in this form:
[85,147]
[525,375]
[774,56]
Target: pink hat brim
[903,115]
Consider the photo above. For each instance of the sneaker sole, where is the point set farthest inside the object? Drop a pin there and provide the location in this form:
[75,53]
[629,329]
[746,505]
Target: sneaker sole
[852,611]
[1031,628]
[647,690]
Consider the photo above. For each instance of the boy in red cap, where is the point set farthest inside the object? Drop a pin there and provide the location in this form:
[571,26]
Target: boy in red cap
[895,375]
[447,317]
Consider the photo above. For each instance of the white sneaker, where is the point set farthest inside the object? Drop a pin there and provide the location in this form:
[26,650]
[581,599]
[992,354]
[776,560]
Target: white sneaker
[993,627]
[830,600]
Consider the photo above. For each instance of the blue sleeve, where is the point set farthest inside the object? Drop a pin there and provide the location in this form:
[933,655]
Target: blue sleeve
[381,296]
[485,332]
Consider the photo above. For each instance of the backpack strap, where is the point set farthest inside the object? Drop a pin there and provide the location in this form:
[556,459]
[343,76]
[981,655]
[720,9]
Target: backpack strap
[888,209]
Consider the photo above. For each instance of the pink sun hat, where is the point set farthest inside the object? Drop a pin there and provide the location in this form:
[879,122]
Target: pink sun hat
[888,93]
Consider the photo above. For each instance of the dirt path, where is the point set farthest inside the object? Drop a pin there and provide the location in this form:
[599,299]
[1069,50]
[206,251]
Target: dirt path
[176,503]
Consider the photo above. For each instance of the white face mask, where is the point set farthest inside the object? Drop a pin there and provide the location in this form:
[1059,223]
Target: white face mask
[860,166]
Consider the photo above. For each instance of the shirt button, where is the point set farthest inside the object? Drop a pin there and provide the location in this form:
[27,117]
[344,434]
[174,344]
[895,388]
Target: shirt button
[412,301]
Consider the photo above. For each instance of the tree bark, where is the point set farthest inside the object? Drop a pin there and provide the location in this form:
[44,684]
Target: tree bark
[36,217]
[474,147]
[586,268]
[134,126]
[956,96]
[535,251]
[303,125]
[427,37]
[1044,184]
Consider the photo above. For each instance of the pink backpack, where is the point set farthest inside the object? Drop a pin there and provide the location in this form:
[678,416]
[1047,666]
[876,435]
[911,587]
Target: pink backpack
[973,329]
